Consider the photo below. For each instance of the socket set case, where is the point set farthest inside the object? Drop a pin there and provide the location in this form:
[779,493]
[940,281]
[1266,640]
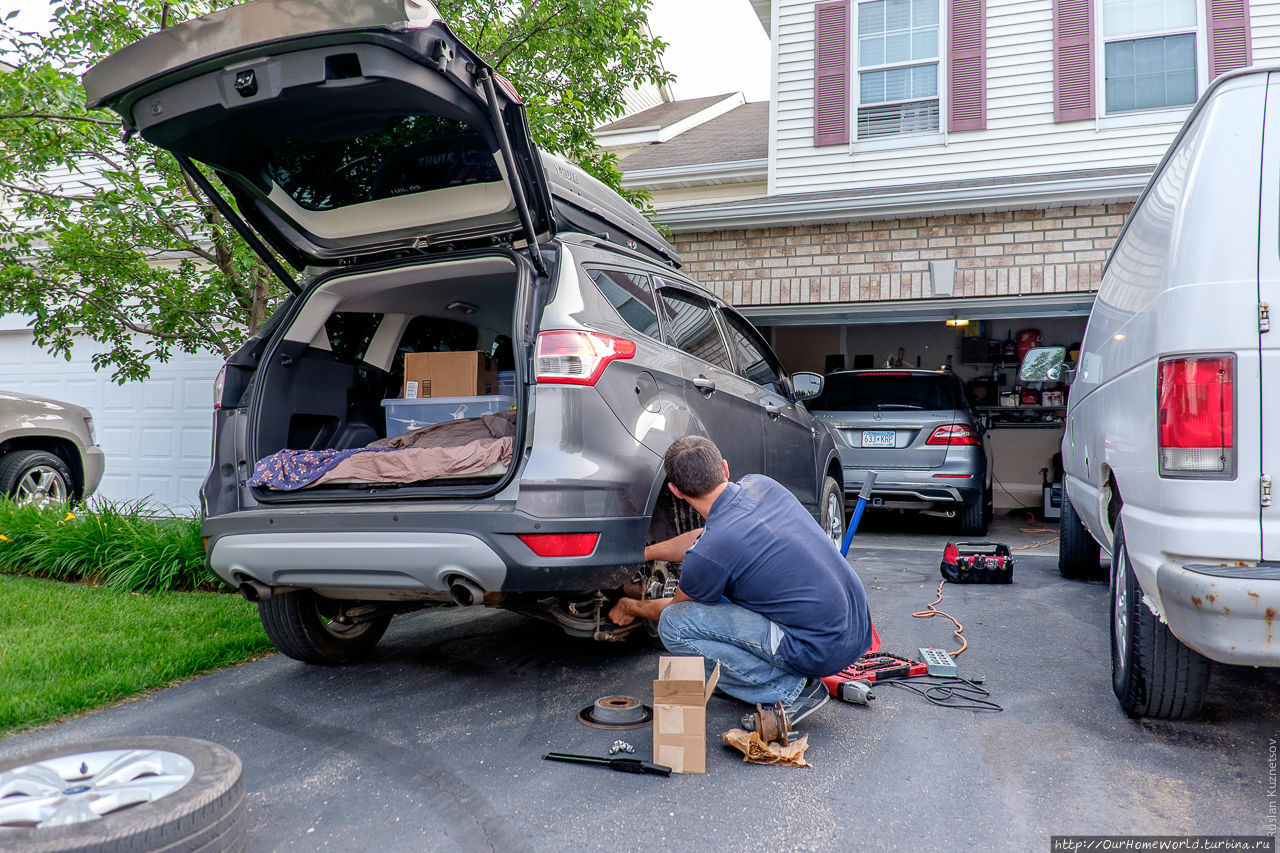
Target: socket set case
[977,562]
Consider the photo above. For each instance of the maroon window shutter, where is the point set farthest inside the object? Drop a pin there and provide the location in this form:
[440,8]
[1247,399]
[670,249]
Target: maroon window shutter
[967,65]
[832,69]
[1229,44]
[1072,60]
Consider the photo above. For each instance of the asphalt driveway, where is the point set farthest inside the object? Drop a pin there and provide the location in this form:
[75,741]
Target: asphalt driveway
[436,744]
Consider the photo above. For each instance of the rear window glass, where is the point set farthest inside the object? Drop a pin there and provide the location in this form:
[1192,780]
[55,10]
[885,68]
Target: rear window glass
[871,392]
[632,296]
[349,334]
[412,154]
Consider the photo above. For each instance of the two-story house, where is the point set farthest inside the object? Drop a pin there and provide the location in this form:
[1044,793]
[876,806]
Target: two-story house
[940,175]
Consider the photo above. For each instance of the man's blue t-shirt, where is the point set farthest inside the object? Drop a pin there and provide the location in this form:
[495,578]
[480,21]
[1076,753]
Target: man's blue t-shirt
[763,551]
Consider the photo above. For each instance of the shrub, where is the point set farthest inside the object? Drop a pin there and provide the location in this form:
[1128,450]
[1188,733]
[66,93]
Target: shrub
[128,546]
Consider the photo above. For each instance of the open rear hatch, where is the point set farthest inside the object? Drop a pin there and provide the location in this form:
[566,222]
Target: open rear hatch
[344,130]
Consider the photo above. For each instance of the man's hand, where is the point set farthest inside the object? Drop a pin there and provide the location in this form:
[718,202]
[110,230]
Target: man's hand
[621,613]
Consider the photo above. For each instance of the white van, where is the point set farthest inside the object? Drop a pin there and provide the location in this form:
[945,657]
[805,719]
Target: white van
[1166,461]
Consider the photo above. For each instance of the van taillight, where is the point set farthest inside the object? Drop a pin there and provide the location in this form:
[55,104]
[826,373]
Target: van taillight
[578,358]
[950,434]
[218,385]
[560,544]
[1195,416]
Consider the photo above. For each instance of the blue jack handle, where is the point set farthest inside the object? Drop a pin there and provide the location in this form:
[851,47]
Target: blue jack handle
[863,495]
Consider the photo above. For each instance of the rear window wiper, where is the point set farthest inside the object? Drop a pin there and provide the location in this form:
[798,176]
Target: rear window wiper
[911,406]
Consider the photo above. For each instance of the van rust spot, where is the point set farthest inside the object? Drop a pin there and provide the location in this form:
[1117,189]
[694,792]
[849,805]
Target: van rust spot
[1195,599]
[1253,595]
[1271,618]
[1211,597]
[1226,610]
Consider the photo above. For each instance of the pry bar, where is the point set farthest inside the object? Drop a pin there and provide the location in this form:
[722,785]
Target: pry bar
[623,765]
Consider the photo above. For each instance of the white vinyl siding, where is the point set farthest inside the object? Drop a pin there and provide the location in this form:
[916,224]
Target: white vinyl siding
[1021,137]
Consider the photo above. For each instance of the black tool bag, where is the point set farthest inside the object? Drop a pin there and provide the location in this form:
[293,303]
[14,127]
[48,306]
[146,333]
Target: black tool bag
[977,562]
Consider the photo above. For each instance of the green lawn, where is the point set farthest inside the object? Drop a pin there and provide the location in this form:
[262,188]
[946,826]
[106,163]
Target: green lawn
[67,648]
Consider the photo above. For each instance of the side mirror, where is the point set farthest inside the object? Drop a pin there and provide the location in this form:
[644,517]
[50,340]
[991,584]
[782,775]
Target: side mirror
[806,385]
[1043,364]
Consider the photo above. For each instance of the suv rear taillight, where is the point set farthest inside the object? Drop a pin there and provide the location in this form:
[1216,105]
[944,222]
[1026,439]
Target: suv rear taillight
[218,385]
[953,434]
[578,358]
[1195,416]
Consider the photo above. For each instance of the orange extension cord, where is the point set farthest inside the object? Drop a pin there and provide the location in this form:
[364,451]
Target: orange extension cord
[934,611]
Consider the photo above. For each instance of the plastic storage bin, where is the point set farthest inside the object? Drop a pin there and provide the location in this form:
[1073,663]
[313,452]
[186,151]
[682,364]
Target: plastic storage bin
[405,415]
[507,383]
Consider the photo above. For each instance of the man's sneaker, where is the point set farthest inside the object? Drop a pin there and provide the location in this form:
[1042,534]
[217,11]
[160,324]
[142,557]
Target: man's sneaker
[812,697]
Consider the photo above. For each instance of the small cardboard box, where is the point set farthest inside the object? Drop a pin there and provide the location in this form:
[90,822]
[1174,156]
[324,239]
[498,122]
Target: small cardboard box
[680,697]
[449,374]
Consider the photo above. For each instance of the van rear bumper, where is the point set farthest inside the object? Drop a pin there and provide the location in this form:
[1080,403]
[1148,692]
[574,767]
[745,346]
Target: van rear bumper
[405,553]
[1227,613]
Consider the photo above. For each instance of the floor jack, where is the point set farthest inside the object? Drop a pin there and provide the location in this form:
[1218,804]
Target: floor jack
[853,683]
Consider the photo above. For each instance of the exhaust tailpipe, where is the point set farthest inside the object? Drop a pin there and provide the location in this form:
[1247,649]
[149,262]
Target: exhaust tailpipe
[465,593]
[254,591]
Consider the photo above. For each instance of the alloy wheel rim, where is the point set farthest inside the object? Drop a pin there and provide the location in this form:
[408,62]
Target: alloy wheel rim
[88,786]
[835,520]
[42,487]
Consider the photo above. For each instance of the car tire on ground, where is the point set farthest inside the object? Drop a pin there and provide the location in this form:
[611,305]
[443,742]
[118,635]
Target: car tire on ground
[1078,553]
[1152,672]
[123,795]
[973,518]
[35,477]
[300,625]
[832,520]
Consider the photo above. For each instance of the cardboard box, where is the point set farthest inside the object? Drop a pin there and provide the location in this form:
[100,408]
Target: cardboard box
[449,374]
[680,697]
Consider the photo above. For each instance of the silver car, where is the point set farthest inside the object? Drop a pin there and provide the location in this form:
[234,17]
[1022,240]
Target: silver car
[48,453]
[367,145]
[918,432]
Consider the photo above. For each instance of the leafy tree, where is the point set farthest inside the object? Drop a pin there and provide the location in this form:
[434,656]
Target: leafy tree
[112,240]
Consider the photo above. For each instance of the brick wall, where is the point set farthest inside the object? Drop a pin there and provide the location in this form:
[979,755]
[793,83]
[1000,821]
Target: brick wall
[1058,250]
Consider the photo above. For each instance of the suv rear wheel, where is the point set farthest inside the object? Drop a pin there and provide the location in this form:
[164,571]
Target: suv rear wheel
[35,477]
[1078,556]
[314,629]
[974,517]
[1152,672]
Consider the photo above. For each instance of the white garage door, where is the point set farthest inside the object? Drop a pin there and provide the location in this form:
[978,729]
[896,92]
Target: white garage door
[155,434]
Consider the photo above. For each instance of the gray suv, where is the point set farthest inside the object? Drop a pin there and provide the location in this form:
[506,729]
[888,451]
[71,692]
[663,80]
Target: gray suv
[365,144]
[48,453]
[917,430]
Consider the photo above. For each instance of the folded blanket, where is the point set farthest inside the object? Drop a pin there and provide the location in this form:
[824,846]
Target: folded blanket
[451,448]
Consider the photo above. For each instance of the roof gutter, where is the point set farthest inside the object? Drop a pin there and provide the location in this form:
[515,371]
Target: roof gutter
[898,202]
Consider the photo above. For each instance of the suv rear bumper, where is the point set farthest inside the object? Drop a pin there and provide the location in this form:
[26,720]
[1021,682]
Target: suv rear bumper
[906,488]
[1227,613]
[387,552]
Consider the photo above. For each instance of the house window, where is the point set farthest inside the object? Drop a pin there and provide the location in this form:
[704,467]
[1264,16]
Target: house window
[1148,54]
[898,58]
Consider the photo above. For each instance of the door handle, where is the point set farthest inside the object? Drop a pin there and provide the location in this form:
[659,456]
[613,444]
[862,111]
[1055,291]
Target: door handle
[705,385]
[772,410]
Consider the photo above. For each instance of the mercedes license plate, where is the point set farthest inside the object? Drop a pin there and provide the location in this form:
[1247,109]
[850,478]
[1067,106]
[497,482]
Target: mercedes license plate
[877,438]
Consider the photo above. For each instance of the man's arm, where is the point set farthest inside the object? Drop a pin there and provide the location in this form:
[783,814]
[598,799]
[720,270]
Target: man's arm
[627,610]
[672,550]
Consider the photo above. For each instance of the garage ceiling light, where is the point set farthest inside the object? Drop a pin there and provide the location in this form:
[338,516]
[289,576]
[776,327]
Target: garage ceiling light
[957,321]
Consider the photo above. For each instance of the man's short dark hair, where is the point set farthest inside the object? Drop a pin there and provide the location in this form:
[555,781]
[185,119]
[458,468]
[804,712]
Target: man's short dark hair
[694,465]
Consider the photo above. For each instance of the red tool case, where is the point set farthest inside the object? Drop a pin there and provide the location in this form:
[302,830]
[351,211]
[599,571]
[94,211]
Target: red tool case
[875,664]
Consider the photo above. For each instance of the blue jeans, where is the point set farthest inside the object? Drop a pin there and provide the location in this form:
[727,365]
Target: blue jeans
[739,639]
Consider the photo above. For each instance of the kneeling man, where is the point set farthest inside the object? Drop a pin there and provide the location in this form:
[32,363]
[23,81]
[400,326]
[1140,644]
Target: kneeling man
[763,589]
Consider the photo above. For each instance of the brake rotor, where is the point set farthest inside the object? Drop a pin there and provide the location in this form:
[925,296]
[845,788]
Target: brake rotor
[616,713]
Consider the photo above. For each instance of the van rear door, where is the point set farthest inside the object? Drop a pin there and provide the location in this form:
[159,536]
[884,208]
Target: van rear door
[1269,316]
[344,130]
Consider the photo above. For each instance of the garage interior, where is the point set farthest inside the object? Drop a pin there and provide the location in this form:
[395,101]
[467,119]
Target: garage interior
[977,338]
